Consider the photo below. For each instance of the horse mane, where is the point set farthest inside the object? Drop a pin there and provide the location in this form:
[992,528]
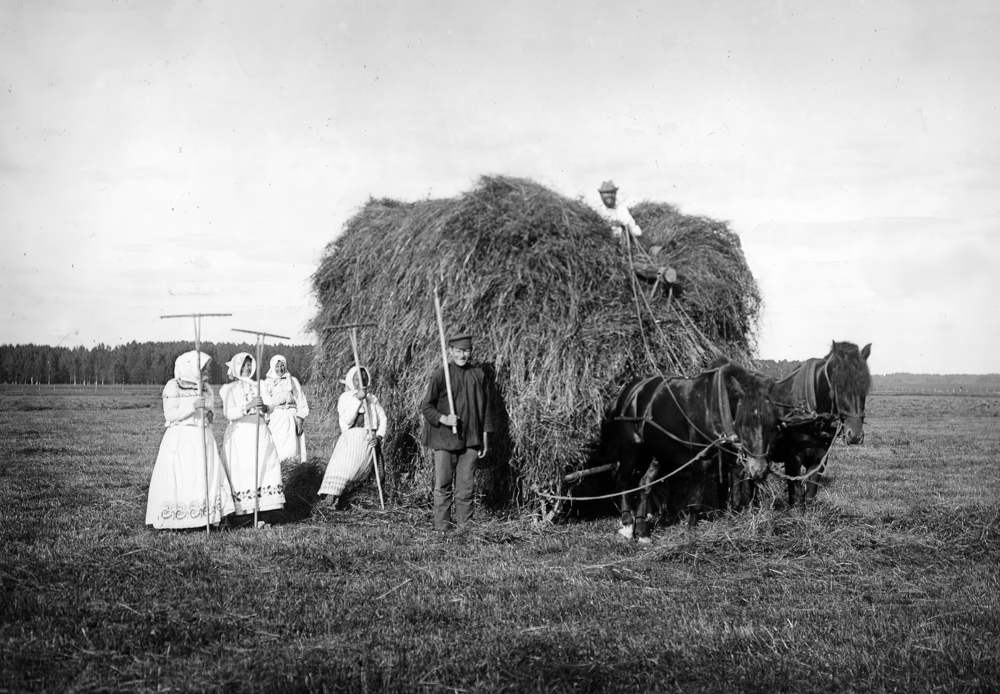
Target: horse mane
[745,377]
[848,370]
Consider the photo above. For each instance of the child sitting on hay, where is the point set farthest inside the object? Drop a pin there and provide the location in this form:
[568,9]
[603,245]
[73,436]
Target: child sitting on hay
[362,427]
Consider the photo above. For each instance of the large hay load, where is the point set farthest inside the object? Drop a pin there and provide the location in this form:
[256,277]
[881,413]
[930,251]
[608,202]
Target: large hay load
[559,317]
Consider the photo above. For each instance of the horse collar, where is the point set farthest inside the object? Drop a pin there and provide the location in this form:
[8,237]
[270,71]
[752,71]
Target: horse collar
[725,413]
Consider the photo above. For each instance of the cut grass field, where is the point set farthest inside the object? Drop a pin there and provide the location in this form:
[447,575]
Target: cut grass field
[889,582]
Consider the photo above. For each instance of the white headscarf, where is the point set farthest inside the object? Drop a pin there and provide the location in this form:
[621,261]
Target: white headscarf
[236,366]
[272,374]
[186,366]
[352,374]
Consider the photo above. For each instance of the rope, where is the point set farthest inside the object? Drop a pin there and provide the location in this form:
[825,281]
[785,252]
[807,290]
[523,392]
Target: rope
[635,298]
[559,497]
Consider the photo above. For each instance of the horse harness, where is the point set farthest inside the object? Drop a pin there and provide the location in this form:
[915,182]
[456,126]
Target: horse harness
[805,408]
[630,411]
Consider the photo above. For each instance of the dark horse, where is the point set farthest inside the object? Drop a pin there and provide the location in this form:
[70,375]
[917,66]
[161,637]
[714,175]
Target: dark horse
[658,426]
[817,400]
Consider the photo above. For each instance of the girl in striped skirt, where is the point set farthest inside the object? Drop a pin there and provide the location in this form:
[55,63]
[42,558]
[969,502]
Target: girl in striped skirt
[362,427]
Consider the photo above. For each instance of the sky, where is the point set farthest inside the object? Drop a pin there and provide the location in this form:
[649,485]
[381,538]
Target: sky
[165,157]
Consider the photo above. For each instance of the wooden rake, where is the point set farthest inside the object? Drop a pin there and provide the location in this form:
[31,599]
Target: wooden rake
[353,327]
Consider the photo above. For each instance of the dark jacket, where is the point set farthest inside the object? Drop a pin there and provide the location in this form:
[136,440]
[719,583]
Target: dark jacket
[473,405]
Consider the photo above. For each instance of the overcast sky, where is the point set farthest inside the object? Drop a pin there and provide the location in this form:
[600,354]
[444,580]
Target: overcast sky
[167,157]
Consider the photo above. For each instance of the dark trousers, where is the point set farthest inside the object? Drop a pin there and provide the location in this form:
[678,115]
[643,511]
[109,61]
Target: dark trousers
[454,476]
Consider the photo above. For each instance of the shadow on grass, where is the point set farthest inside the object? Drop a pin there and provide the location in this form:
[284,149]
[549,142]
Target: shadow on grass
[302,482]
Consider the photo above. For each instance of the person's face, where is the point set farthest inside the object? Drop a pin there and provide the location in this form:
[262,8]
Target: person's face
[460,355]
[247,366]
[609,198]
[361,382]
[280,368]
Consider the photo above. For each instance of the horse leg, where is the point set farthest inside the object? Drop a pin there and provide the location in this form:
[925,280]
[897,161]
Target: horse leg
[643,515]
[812,484]
[793,468]
[623,479]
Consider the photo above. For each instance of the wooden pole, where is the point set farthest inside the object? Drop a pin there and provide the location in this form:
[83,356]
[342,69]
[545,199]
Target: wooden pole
[368,417]
[256,450]
[201,421]
[444,357]
[256,438]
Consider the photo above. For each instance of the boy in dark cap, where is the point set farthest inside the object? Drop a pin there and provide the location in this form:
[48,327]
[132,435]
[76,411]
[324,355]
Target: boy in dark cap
[455,455]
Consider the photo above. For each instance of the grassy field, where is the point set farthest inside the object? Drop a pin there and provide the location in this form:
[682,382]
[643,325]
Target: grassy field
[890,582]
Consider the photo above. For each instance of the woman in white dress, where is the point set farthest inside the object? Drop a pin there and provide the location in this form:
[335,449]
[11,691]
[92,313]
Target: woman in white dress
[288,410]
[244,407]
[177,487]
[362,426]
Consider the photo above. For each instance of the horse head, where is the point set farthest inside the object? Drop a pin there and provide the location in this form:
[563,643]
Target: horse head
[756,421]
[846,369]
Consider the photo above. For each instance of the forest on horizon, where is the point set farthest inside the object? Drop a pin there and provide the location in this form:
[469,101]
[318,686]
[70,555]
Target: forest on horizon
[132,363]
[153,362]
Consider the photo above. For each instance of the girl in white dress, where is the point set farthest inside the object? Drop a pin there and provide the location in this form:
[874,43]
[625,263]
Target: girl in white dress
[288,410]
[243,406]
[362,426]
[177,486]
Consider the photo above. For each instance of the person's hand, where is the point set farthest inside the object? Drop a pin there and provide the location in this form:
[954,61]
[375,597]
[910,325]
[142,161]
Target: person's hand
[486,446]
[257,404]
[449,420]
[361,394]
[198,403]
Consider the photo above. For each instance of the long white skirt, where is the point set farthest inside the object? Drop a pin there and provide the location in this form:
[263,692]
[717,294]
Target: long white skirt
[238,446]
[177,486]
[282,425]
[350,463]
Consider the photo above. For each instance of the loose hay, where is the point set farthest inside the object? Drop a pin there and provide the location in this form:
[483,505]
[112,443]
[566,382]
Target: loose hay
[552,301]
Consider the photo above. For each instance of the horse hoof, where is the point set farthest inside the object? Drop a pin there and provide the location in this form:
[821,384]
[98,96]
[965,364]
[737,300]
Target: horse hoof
[626,531]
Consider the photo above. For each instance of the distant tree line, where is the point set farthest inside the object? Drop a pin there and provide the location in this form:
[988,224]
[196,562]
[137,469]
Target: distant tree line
[776,368]
[135,362]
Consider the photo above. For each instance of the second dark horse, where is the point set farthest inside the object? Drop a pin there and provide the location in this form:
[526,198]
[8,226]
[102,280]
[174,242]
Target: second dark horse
[817,400]
[720,419]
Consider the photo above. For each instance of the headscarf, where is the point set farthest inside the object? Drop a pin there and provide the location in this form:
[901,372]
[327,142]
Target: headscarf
[236,366]
[186,366]
[352,373]
[272,374]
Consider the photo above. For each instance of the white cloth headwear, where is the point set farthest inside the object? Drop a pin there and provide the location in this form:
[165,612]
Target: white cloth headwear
[352,373]
[186,366]
[271,373]
[236,365]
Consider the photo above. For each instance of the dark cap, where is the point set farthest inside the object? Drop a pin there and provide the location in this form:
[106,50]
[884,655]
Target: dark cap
[460,341]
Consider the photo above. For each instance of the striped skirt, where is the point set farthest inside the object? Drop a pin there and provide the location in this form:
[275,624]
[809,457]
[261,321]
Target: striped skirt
[350,463]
